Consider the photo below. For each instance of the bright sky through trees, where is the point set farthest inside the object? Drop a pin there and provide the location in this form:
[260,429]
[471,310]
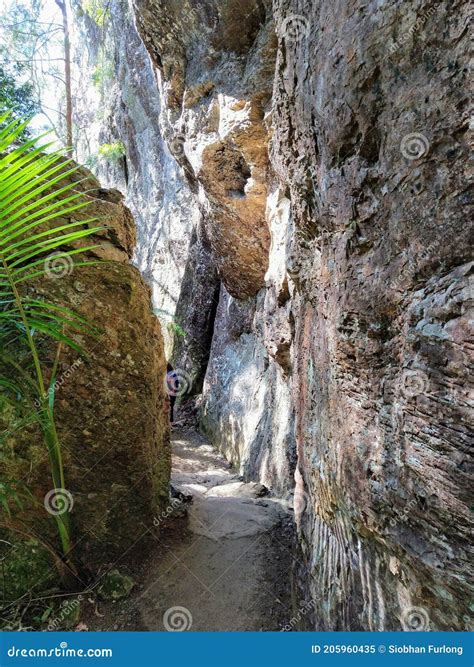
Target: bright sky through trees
[31,35]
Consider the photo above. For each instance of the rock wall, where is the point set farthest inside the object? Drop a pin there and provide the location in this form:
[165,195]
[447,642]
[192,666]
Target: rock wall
[327,187]
[215,64]
[122,109]
[173,250]
[110,405]
[383,288]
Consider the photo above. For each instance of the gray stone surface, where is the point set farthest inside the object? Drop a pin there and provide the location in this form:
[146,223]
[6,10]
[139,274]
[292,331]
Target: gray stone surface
[226,565]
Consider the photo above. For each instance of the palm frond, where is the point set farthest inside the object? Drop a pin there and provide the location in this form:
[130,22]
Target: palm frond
[36,195]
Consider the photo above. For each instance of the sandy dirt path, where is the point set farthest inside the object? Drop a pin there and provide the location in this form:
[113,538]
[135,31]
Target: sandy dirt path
[229,566]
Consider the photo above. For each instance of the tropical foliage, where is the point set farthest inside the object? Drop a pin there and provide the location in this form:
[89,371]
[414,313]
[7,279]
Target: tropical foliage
[18,98]
[36,193]
[111,152]
[98,11]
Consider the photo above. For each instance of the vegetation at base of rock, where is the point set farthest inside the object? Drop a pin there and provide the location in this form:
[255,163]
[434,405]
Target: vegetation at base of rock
[31,241]
[25,564]
[176,329]
[29,592]
[103,73]
[115,585]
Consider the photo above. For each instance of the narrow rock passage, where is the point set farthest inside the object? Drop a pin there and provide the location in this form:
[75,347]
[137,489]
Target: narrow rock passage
[228,568]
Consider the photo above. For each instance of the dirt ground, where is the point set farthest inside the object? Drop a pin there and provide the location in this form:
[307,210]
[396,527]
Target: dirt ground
[218,561]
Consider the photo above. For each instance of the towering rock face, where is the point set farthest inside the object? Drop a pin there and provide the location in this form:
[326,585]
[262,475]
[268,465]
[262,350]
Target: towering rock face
[217,75]
[122,111]
[173,251]
[383,287]
[215,65]
[326,185]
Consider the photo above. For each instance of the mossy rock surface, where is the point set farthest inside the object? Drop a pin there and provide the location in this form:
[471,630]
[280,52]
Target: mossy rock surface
[64,617]
[26,566]
[111,410]
[116,586]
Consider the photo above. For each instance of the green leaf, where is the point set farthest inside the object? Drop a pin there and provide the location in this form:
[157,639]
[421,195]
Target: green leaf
[37,196]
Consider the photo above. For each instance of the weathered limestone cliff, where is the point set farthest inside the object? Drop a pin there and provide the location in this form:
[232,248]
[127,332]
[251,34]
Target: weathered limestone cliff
[110,407]
[324,187]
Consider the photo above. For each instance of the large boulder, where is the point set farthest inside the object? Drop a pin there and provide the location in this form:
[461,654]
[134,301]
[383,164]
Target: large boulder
[110,405]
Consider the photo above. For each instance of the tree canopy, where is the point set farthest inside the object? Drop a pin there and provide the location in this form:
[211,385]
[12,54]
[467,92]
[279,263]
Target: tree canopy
[18,98]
